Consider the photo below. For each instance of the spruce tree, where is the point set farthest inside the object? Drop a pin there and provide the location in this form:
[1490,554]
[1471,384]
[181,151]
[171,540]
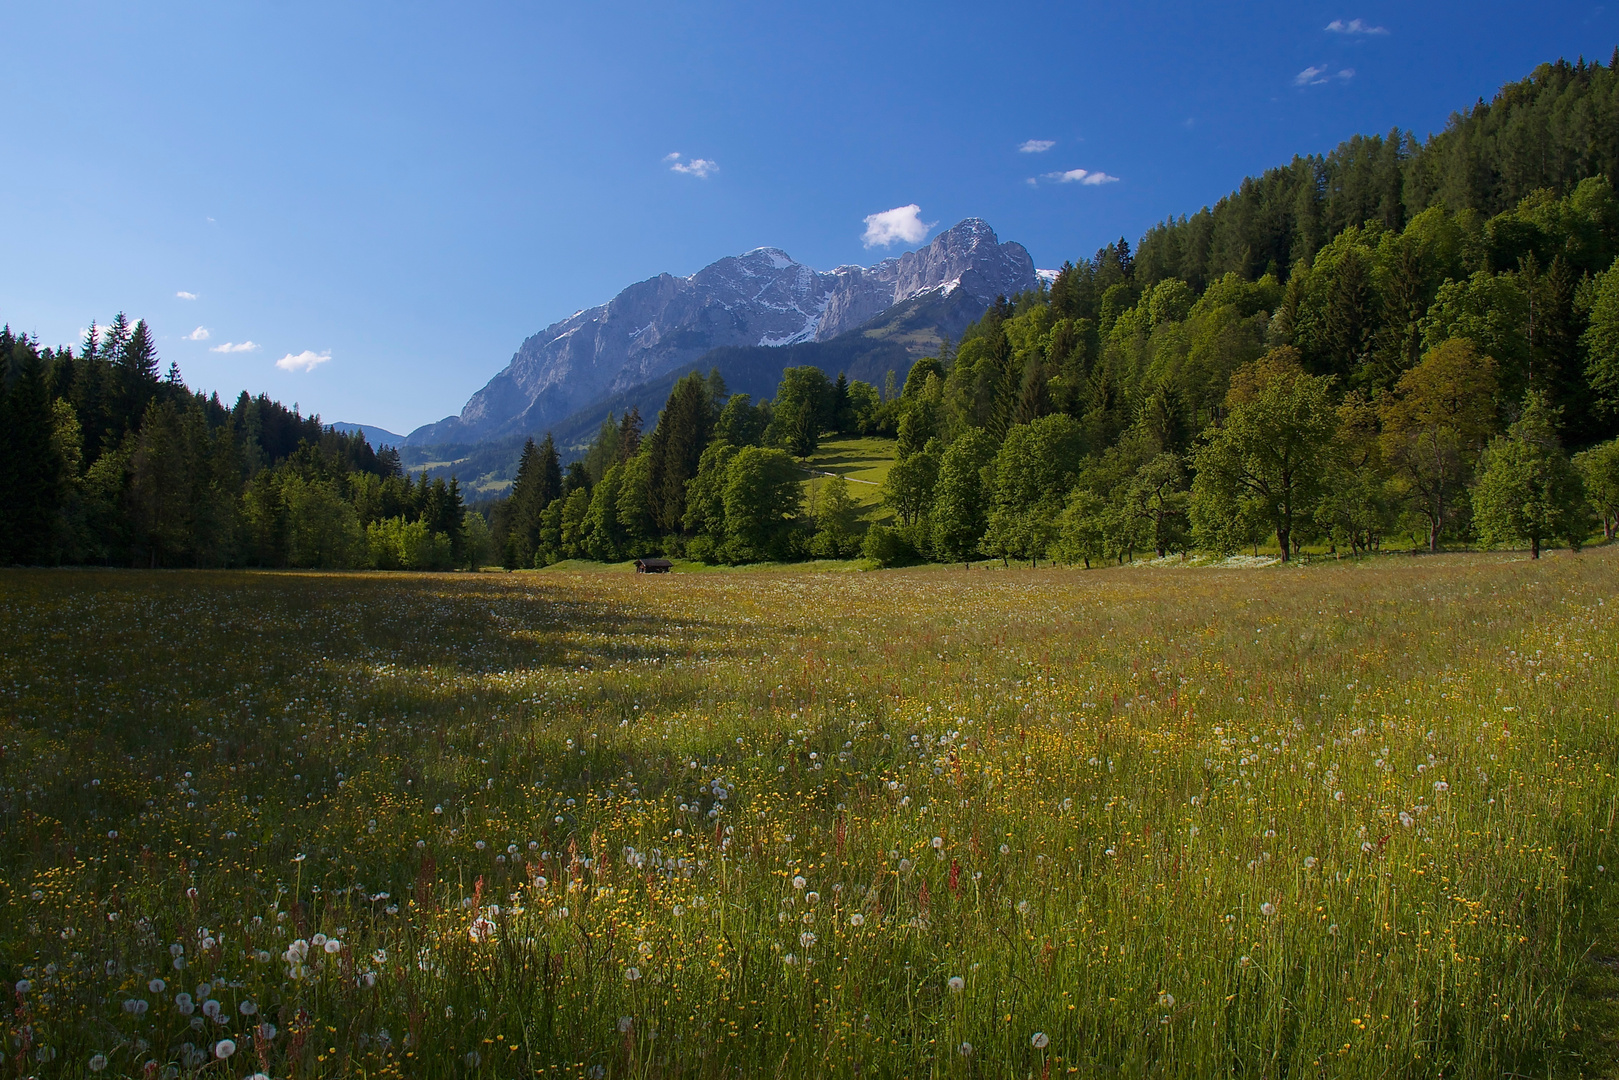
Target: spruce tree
[676,449]
[30,472]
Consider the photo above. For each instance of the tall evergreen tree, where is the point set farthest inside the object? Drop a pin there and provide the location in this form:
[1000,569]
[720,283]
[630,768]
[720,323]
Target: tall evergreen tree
[675,449]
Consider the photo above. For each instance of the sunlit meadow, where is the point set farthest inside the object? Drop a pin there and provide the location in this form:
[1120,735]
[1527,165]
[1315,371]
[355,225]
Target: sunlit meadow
[1342,820]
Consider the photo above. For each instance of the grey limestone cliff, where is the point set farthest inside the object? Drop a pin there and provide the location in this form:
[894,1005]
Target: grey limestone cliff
[760,298]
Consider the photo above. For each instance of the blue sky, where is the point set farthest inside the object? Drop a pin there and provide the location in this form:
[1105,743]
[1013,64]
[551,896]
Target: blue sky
[387,198]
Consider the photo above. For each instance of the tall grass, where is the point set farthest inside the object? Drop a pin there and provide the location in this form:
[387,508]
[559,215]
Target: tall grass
[1334,821]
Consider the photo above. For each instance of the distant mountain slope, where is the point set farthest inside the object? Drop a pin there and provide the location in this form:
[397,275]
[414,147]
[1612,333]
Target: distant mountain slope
[891,342]
[377,437]
[760,299]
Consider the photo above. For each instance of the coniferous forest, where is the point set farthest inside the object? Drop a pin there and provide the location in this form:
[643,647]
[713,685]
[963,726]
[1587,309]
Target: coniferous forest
[107,463]
[1399,341]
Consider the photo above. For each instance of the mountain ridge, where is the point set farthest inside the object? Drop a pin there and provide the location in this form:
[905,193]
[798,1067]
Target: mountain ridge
[761,298]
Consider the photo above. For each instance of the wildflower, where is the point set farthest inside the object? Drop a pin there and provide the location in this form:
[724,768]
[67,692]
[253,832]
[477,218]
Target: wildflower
[224,1048]
[1022,907]
[1309,862]
[904,866]
[799,882]
[183,1003]
[1267,909]
[1039,1040]
[632,974]
[156,986]
[857,919]
[1005,850]
[965,1049]
[806,939]
[645,948]
[1406,819]
[379,957]
[1440,786]
[813,897]
[1166,1000]
[297,952]
[23,986]
[247,1008]
[481,930]
[1338,796]
[333,947]
[473,1059]
[789,959]
[938,843]
[98,1062]
[318,940]
[1243,961]
[957,983]
[625,1023]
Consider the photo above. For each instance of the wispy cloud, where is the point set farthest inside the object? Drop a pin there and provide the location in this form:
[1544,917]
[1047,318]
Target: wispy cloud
[1354,26]
[1077,176]
[304,361]
[235,347]
[199,334]
[702,168]
[183,295]
[903,224]
[1036,146]
[1317,76]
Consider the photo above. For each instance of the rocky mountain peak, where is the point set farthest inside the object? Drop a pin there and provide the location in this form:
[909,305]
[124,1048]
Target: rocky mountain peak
[761,297]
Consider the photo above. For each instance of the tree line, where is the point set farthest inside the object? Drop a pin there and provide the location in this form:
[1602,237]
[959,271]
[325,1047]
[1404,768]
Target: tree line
[717,479]
[1396,339]
[104,461]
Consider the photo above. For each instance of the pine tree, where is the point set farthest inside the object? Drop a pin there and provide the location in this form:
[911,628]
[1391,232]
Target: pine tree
[675,449]
[30,471]
[629,434]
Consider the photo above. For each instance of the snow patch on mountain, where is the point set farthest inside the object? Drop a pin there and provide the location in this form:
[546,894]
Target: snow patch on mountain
[759,297]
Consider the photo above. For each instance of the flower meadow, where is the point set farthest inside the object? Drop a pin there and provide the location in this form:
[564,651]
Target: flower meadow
[1350,820]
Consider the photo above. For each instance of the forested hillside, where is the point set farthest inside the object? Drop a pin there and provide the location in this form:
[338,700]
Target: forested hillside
[1396,340]
[106,463]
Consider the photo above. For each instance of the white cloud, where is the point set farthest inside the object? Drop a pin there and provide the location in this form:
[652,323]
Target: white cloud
[1080,176]
[702,168]
[199,334]
[1346,74]
[902,224]
[1310,76]
[1036,146]
[233,347]
[183,295]
[1354,26]
[304,361]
